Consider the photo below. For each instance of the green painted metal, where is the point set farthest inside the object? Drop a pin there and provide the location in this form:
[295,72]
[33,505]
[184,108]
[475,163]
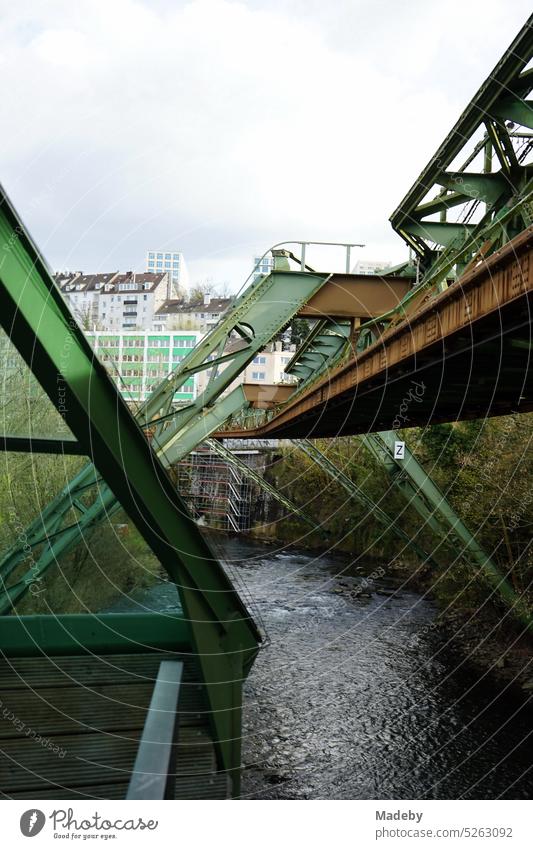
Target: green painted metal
[39,445]
[259,313]
[320,350]
[39,324]
[201,428]
[232,458]
[49,529]
[355,492]
[411,479]
[506,193]
[93,633]
[256,317]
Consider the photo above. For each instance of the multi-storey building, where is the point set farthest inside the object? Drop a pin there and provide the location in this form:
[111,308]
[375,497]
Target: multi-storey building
[139,361]
[266,368]
[370,266]
[115,301]
[171,262]
[262,266]
[200,315]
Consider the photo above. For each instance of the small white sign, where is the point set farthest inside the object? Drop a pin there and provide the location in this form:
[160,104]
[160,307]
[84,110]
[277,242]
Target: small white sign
[399,450]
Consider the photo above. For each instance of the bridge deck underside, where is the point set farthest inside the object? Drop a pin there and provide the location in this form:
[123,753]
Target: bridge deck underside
[466,355]
[70,727]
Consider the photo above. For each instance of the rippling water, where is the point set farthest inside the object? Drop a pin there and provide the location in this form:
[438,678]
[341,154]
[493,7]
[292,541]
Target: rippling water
[358,698]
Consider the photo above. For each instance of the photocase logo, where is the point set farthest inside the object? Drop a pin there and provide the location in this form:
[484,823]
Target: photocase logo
[32,822]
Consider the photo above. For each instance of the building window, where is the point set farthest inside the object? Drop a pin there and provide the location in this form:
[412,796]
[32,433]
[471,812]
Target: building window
[260,361]
[160,256]
[258,375]
[167,264]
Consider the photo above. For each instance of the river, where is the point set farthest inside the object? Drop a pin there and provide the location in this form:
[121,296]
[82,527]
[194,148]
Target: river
[357,696]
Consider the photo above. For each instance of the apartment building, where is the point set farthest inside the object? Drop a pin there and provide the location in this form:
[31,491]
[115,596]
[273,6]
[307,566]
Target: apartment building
[370,266]
[199,315]
[138,362]
[172,263]
[115,301]
[266,368]
[263,265]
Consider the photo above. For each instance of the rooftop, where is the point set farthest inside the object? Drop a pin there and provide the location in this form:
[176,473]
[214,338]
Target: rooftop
[110,282]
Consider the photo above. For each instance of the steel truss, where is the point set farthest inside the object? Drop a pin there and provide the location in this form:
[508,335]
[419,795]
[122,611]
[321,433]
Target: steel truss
[257,315]
[224,637]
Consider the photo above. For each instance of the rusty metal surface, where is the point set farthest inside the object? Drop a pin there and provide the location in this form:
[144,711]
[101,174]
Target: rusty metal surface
[470,347]
[356,296]
[268,395]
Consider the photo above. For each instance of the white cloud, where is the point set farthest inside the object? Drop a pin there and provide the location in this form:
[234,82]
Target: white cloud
[220,127]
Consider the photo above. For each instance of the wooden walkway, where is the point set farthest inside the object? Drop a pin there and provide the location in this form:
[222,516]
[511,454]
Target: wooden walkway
[70,727]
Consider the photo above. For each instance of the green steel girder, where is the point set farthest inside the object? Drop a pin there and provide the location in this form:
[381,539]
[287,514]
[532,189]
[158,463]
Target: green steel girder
[202,426]
[232,458]
[262,309]
[57,540]
[442,233]
[39,324]
[429,501]
[322,349]
[257,318]
[508,75]
[46,524]
[99,633]
[442,202]
[485,187]
[502,96]
[355,492]
[514,109]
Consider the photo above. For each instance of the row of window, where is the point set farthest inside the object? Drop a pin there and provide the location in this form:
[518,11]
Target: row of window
[159,265]
[162,255]
[151,343]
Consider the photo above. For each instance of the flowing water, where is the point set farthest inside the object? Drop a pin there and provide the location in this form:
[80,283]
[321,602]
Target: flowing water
[357,696]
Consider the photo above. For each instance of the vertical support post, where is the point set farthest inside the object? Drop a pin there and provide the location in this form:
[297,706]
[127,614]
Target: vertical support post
[348,258]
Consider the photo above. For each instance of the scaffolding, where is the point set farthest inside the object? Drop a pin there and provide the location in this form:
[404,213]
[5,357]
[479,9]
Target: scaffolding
[219,494]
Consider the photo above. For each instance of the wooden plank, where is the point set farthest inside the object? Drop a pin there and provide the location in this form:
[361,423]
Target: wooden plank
[88,670]
[207,786]
[91,759]
[77,710]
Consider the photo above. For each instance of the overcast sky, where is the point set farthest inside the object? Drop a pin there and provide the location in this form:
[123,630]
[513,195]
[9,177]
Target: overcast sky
[219,128]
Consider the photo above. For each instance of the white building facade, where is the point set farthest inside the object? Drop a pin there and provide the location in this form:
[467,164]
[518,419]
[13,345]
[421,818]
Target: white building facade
[171,263]
[114,301]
